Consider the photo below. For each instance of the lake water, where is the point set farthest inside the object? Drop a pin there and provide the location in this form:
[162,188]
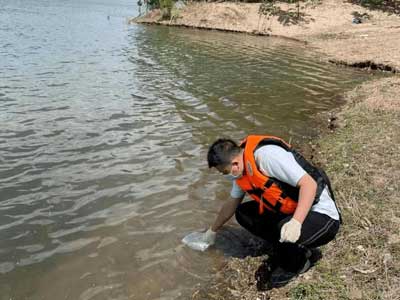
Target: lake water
[103,138]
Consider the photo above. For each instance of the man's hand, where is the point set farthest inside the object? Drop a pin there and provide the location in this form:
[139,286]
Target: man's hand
[290,231]
[209,237]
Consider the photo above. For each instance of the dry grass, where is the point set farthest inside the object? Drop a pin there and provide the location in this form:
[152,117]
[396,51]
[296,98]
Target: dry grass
[362,157]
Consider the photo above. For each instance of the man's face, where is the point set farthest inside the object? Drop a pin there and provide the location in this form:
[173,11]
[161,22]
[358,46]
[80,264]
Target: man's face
[235,168]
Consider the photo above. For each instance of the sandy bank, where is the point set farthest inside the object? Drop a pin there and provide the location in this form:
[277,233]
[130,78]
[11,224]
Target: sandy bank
[328,26]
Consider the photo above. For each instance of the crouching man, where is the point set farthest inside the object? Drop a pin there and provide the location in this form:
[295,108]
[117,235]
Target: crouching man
[292,209]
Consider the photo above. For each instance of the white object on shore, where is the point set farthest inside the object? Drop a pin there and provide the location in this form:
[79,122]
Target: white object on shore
[195,240]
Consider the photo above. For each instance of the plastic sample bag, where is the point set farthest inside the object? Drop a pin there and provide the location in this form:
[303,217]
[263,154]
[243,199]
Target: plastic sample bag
[195,241]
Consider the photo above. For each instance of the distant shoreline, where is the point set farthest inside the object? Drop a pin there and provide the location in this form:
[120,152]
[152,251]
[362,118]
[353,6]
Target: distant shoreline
[373,44]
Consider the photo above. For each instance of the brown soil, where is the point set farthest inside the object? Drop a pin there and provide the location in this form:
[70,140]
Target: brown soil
[373,43]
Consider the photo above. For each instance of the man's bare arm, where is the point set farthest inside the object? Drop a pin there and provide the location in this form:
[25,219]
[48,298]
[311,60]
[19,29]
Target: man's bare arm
[308,188]
[226,212]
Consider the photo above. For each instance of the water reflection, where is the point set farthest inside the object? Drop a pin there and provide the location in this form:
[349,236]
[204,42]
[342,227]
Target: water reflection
[236,83]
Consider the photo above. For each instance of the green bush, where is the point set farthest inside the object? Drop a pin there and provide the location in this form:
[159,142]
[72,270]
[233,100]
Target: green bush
[166,7]
[152,4]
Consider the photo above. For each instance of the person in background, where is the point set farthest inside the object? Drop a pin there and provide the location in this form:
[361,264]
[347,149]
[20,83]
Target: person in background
[139,4]
[292,205]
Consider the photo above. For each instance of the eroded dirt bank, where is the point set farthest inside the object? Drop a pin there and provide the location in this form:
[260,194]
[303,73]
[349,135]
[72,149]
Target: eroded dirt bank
[328,26]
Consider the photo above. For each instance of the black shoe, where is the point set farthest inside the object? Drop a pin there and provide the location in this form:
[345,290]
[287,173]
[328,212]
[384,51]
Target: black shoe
[279,277]
[313,255]
[263,274]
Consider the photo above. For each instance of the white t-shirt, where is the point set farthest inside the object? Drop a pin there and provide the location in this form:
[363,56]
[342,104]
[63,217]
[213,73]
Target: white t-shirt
[278,163]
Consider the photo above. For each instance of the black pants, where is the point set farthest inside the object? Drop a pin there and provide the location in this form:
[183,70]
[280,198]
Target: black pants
[317,230]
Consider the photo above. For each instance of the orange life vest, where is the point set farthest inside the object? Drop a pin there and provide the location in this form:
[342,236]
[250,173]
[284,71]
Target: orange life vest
[271,193]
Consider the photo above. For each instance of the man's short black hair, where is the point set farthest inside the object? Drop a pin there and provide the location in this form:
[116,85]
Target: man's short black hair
[221,152]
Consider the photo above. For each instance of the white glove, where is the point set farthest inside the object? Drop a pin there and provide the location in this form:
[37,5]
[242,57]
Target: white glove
[290,231]
[209,237]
